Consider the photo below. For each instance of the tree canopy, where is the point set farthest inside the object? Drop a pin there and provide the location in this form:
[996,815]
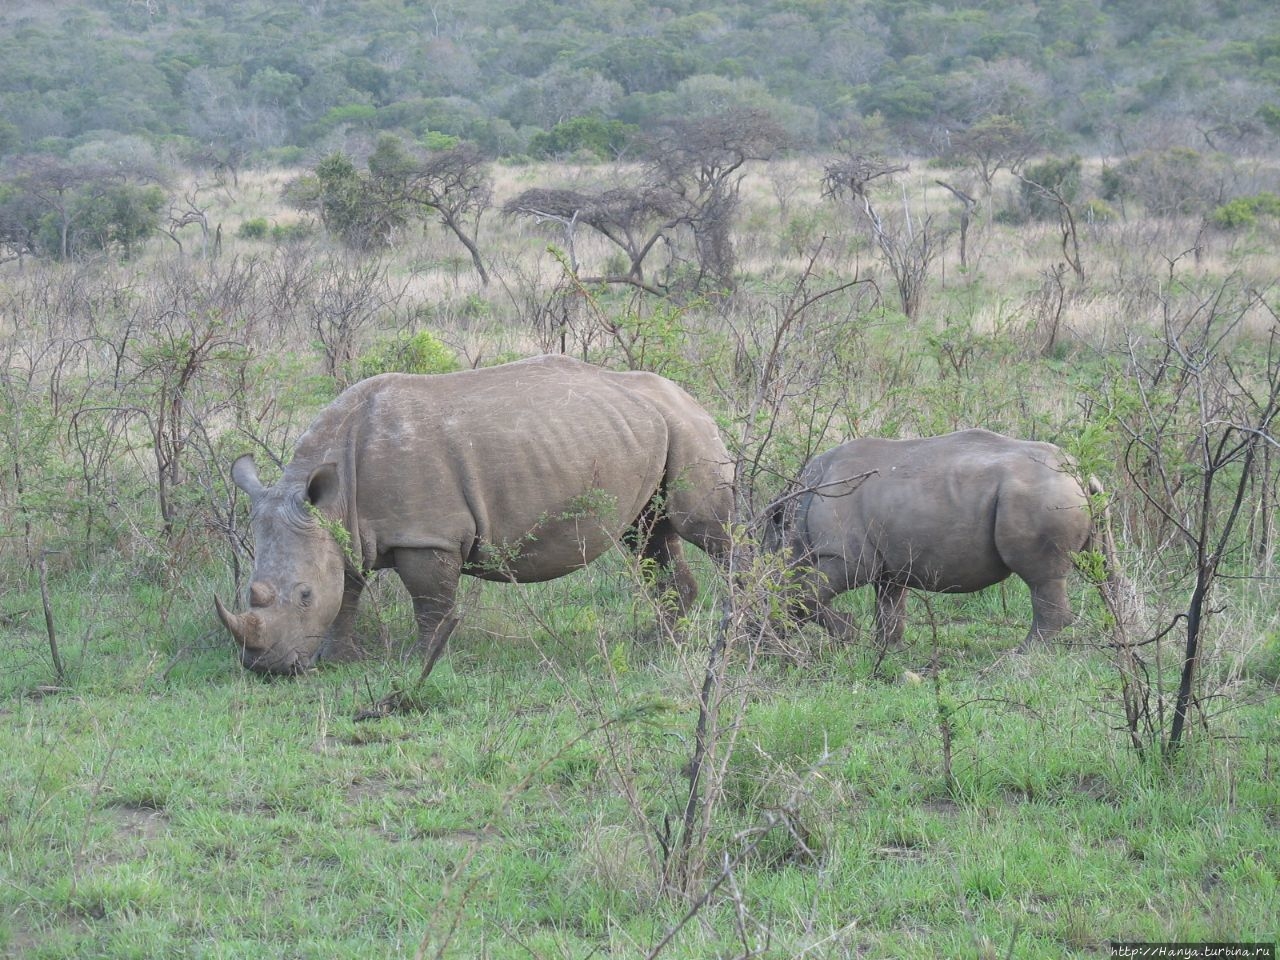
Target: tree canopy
[256,78]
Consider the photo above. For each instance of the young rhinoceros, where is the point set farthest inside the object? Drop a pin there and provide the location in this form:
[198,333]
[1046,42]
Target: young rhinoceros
[522,472]
[948,514]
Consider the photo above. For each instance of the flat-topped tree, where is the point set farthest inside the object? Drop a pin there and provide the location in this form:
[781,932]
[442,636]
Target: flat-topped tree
[635,219]
[689,179]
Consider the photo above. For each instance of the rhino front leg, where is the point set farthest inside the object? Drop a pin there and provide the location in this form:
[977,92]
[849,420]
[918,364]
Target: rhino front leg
[431,577]
[891,613]
[339,644]
[1050,612]
[841,628]
[813,594]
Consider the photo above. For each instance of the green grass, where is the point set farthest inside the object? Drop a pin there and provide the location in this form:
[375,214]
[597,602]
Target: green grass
[164,803]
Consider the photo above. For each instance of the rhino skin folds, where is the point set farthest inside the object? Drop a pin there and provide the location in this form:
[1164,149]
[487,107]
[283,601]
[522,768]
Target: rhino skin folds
[522,472]
[947,514]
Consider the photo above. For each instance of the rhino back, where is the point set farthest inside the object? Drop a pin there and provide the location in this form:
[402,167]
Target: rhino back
[527,470]
[949,513]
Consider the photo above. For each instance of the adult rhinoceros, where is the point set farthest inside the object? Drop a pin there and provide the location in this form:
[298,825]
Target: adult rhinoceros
[948,514]
[521,472]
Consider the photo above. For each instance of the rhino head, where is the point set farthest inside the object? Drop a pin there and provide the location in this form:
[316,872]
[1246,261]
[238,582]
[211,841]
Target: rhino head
[296,590]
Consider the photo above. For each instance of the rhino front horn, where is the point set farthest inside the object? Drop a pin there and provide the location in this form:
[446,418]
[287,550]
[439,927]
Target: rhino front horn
[243,628]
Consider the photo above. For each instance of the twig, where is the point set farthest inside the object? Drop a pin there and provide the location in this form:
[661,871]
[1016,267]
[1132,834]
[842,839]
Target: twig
[58,669]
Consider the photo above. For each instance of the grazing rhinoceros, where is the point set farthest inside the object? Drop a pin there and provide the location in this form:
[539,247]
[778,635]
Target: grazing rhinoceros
[948,514]
[522,472]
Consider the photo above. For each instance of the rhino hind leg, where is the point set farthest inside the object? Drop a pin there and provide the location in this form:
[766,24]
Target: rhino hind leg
[1050,612]
[431,577]
[659,542]
[697,503]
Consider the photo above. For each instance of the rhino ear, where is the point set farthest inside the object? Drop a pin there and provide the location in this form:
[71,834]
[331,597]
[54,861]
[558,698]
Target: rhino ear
[323,485]
[245,474]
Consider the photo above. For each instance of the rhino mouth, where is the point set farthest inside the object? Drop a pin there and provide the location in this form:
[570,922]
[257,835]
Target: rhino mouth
[265,659]
[278,662]
[271,669]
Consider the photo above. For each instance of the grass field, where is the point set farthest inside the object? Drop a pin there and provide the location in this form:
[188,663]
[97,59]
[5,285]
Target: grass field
[948,798]
[165,803]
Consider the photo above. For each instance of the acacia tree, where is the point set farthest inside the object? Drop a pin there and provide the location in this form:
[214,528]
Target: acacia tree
[994,143]
[57,186]
[701,161]
[852,173]
[368,209]
[635,219]
[453,185]
[58,207]
[692,172]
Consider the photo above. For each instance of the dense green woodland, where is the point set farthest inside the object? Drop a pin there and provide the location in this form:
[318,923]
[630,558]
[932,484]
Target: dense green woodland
[252,76]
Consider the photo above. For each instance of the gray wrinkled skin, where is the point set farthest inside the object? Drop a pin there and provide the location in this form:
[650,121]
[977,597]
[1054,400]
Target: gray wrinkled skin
[522,472]
[948,514]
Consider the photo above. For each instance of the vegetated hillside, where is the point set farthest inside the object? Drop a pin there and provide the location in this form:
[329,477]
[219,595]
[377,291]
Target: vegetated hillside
[251,76]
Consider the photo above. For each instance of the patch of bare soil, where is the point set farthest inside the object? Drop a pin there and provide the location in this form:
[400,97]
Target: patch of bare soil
[902,850]
[942,805]
[137,822]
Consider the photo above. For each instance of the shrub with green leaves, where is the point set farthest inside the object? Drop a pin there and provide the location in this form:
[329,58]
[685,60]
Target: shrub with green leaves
[1171,182]
[1042,180]
[291,232]
[421,352]
[255,229]
[604,139]
[1243,212]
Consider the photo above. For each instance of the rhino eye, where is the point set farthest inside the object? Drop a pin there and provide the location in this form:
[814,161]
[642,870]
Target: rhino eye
[304,597]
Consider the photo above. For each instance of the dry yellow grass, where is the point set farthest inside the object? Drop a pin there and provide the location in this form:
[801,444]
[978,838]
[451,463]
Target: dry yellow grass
[1017,275]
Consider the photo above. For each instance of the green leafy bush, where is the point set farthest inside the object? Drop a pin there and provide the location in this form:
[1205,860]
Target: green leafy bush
[1243,212]
[435,140]
[421,352]
[291,232]
[255,229]
[1098,211]
[1042,180]
[604,139]
[1176,181]
[102,217]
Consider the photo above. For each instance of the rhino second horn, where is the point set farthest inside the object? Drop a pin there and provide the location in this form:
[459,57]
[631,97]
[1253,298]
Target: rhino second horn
[243,628]
[261,594]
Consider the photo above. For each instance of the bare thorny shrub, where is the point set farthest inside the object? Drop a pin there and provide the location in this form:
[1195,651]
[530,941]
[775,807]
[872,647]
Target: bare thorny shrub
[791,367]
[1195,406]
[126,391]
[349,296]
[791,370]
[909,242]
